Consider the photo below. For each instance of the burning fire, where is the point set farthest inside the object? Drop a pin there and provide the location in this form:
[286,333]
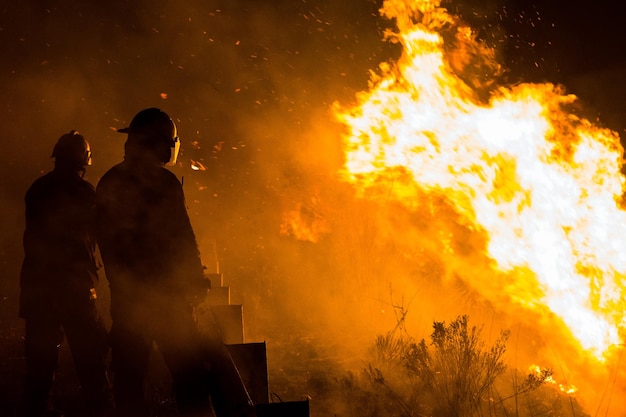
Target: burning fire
[197,166]
[304,223]
[567,389]
[542,183]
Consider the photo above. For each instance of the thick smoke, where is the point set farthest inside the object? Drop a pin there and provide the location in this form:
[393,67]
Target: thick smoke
[249,84]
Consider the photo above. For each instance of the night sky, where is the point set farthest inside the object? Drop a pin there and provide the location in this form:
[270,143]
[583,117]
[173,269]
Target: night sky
[249,84]
[577,44]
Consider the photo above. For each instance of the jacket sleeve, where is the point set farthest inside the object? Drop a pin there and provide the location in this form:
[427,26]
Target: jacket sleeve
[191,270]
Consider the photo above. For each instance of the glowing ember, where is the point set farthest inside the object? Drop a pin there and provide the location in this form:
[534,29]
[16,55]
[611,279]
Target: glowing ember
[544,185]
[197,166]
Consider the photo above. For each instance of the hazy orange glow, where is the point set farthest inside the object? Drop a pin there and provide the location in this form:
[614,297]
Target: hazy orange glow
[542,183]
[303,223]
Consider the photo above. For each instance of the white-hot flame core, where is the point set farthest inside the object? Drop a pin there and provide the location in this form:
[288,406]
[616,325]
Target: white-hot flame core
[543,184]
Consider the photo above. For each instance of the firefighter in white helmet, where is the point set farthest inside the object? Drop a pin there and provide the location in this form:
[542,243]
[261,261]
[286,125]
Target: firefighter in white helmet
[58,279]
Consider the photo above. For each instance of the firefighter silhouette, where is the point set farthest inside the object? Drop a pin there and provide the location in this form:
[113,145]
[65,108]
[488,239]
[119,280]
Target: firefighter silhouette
[155,273]
[58,279]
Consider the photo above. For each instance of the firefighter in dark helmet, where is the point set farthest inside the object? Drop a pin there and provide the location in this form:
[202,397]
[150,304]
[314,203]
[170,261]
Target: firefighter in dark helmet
[58,279]
[153,266]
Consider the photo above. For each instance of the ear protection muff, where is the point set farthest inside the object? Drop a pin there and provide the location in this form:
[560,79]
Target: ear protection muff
[174,149]
[167,147]
[86,160]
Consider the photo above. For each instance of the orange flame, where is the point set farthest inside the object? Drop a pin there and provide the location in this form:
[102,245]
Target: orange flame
[543,184]
[303,223]
[565,388]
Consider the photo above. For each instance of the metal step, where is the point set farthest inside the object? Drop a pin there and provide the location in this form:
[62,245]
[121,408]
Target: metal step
[217,279]
[229,320]
[218,296]
[251,362]
[217,315]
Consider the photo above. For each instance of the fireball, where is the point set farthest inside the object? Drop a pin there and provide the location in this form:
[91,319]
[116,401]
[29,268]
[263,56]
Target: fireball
[543,184]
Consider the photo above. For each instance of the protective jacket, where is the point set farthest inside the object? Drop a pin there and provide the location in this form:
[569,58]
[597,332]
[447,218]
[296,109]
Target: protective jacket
[144,232]
[59,242]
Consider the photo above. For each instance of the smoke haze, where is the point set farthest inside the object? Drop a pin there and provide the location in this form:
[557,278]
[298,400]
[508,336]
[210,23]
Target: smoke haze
[250,85]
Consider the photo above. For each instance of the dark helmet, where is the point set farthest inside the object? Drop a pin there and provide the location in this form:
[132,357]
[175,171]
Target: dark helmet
[152,133]
[72,150]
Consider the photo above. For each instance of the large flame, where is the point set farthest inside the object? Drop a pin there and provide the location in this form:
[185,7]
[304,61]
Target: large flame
[544,184]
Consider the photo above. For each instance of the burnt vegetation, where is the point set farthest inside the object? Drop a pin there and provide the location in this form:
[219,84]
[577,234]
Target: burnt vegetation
[455,373]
